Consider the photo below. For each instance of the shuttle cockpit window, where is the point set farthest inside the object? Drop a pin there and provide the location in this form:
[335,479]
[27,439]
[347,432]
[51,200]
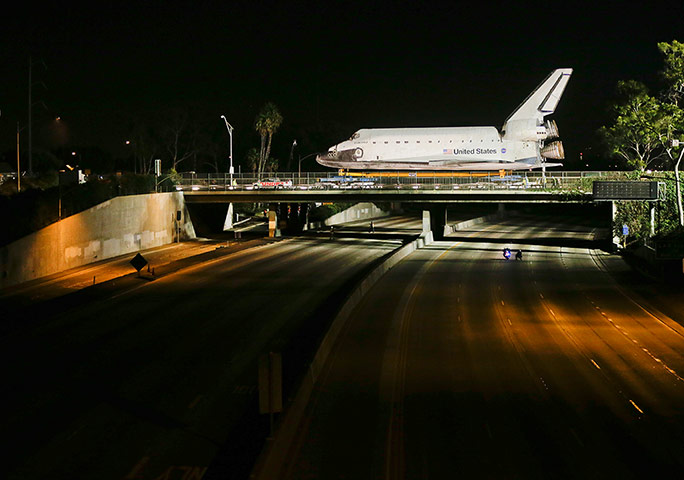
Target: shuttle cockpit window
[355,136]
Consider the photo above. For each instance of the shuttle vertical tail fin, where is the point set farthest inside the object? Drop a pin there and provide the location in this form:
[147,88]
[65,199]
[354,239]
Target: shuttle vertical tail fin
[543,100]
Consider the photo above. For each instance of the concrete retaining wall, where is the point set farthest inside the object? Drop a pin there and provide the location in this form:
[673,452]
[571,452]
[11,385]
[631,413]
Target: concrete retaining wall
[360,211]
[116,227]
[449,229]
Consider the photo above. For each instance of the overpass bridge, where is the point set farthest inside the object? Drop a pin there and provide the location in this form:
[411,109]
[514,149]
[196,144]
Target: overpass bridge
[417,187]
[385,195]
[434,190]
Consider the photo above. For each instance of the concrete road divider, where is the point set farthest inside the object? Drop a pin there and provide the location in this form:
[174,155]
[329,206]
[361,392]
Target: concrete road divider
[273,456]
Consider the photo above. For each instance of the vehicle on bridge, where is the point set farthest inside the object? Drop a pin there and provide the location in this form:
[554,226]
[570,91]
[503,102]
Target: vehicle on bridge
[272,184]
[347,182]
[521,144]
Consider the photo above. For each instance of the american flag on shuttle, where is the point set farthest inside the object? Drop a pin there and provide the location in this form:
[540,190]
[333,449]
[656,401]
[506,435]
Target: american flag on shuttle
[448,151]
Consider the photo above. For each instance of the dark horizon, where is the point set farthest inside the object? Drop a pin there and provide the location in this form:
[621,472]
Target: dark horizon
[330,69]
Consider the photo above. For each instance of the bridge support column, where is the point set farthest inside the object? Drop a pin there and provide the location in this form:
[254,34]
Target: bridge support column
[435,219]
[283,216]
[426,221]
[273,230]
[501,212]
[613,214]
[228,222]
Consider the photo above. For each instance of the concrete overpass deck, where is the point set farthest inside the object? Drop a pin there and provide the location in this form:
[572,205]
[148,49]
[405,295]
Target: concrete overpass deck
[386,195]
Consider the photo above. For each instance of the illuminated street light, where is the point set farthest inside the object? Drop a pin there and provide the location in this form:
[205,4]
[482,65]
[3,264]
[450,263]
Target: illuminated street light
[229,127]
[289,163]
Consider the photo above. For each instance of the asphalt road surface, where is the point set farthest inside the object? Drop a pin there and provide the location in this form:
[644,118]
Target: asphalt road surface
[157,379]
[461,364]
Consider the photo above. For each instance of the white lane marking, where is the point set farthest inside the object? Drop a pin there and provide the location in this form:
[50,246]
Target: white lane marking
[595,364]
[502,302]
[636,406]
[541,295]
[509,321]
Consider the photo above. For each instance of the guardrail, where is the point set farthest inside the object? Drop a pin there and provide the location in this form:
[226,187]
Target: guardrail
[505,180]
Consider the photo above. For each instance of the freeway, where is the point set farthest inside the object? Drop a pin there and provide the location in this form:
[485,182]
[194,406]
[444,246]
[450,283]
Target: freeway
[459,363]
[145,379]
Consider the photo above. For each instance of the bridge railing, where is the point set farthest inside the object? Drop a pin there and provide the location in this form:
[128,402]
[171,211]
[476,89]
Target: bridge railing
[560,180]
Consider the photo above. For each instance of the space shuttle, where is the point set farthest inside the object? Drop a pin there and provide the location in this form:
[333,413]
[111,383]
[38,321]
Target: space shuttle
[526,141]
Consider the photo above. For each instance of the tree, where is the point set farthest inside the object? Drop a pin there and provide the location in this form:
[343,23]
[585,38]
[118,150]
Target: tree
[179,139]
[673,73]
[266,123]
[634,135]
[646,128]
[252,159]
[145,143]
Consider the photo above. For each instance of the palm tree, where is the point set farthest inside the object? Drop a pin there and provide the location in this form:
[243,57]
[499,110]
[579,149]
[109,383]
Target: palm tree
[267,122]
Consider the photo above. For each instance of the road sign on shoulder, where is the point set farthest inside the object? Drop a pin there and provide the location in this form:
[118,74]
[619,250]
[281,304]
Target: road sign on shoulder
[270,383]
[138,262]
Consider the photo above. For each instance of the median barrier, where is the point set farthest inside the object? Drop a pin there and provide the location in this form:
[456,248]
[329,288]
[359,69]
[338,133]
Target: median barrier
[360,211]
[275,453]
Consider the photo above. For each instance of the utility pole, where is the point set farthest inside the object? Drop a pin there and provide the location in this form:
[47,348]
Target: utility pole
[30,108]
[18,167]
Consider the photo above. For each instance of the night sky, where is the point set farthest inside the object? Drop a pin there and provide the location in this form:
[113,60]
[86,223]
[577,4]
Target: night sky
[331,68]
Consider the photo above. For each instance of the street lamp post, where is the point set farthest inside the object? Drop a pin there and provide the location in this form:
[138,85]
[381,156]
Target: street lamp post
[229,127]
[289,162]
[18,165]
[304,158]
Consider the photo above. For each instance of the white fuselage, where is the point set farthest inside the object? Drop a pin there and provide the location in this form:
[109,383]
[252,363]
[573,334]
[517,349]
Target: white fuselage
[431,148]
